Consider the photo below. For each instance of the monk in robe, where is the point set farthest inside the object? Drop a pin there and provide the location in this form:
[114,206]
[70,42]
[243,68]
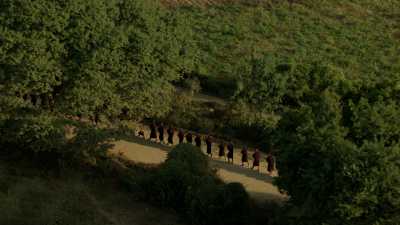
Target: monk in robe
[141,132]
[189,138]
[271,163]
[96,119]
[197,140]
[161,133]
[244,153]
[181,136]
[171,132]
[153,132]
[230,152]
[256,161]
[221,150]
[209,143]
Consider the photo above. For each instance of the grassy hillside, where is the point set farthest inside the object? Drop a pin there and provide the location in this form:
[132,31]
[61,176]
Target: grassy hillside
[362,37]
[32,196]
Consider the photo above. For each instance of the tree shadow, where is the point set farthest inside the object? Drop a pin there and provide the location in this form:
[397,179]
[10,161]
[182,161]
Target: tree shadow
[262,197]
[244,171]
[145,142]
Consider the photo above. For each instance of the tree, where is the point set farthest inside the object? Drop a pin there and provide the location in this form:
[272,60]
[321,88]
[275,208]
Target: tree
[95,58]
[334,170]
[263,84]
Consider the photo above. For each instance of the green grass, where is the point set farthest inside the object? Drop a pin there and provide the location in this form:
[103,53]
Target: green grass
[29,196]
[362,37]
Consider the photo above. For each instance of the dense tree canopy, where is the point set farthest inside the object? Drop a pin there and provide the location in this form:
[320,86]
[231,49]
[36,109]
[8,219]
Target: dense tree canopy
[337,139]
[86,57]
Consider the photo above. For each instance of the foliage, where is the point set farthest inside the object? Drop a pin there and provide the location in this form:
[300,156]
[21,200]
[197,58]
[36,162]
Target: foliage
[191,114]
[88,58]
[262,85]
[375,120]
[90,144]
[33,132]
[322,86]
[360,36]
[185,169]
[186,183]
[371,185]
[219,204]
[191,159]
[342,171]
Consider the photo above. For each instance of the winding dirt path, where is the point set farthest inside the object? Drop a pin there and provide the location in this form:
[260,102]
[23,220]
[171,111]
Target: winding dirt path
[259,185]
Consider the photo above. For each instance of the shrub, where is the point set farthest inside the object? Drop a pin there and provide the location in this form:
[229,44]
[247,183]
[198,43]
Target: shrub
[184,170]
[219,204]
[186,183]
[90,144]
[190,159]
[36,133]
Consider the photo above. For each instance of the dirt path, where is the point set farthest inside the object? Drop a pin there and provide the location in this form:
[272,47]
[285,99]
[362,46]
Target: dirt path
[259,185]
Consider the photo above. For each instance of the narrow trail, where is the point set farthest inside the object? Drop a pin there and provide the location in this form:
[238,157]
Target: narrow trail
[259,185]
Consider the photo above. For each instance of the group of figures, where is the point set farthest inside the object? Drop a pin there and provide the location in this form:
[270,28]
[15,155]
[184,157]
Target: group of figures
[198,139]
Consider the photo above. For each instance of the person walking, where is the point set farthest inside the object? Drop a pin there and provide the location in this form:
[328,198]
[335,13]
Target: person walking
[197,140]
[256,161]
[209,144]
[181,136]
[244,156]
[230,152]
[141,132]
[171,132]
[153,132]
[189,138]
[270,163]
[161,133]
[221,151]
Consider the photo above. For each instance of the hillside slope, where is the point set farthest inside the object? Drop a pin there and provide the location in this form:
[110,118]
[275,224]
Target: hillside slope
[360,37]
[35,197]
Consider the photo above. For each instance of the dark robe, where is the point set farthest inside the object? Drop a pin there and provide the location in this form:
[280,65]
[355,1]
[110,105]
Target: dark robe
[170,132]
[271,162]
[161,133]
[96,118]
[244,155]
[189,138]
[208,143]
[141,133]
[230,151]
[256,156]
[181,136]
[221,151]
[153,131]
[197,140]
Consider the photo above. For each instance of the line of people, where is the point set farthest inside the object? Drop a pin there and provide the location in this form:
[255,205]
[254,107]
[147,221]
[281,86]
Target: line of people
[209,140]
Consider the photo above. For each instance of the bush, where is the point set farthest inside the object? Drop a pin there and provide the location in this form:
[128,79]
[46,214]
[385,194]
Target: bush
[37,137]
[184,170]
[90,144]
[186,183]
[190,159]
[219,204]
[36,133]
